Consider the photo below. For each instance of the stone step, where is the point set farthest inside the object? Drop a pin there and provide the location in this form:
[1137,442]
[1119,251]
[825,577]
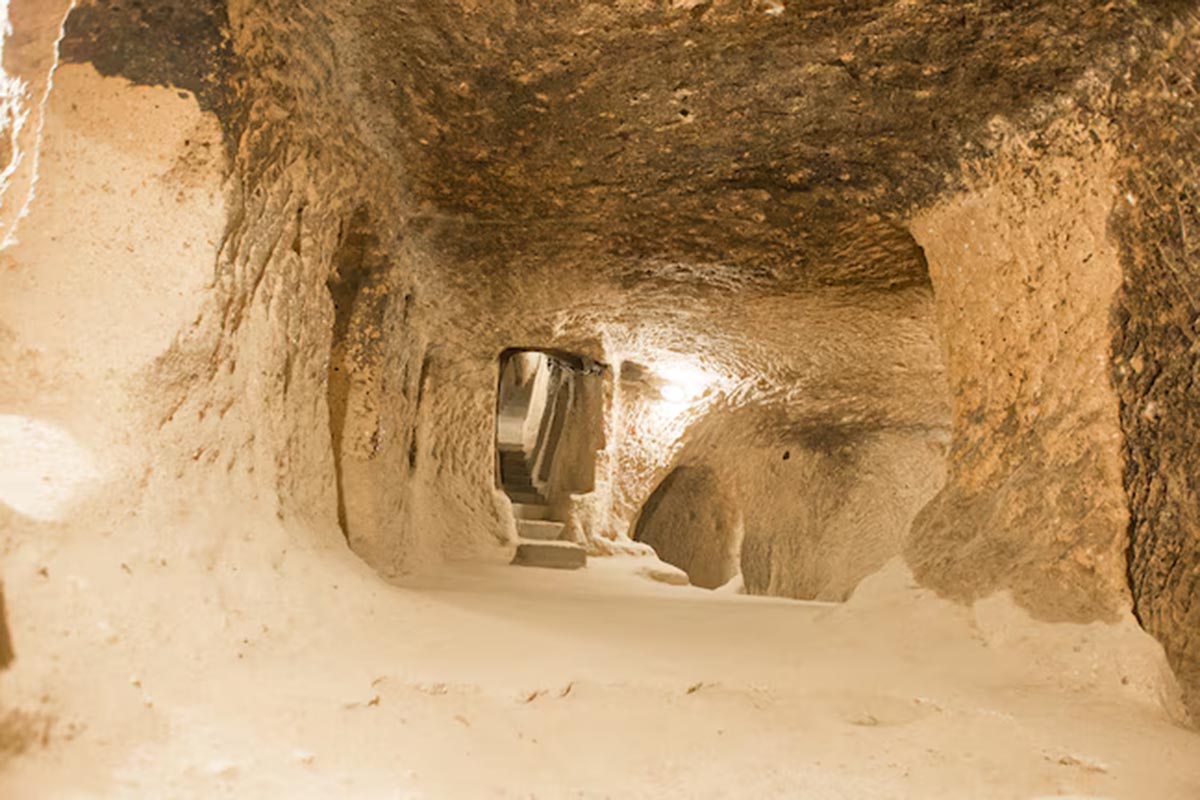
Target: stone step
[530,498]
[539,529]
[513,474]
[531,511]
[554,555]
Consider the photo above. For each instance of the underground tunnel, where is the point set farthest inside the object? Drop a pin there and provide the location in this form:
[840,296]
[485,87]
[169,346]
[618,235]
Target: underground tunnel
[582,398]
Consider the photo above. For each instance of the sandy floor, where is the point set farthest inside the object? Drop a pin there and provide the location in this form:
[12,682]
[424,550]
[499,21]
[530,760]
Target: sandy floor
[319,680]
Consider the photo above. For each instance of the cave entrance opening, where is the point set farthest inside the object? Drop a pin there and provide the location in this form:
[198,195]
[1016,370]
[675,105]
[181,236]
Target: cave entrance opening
[549,426]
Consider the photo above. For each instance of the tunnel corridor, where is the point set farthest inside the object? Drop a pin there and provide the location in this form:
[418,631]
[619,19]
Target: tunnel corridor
[599,398]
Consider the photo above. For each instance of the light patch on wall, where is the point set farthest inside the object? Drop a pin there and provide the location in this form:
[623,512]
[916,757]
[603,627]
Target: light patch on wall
[684,392]
[12,112]
[42,467]
[19,176]
[683,382]
[89,281]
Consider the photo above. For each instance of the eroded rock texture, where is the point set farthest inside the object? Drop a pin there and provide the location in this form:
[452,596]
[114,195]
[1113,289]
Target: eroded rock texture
[691,522]
[1024,278]
[835,255]
[829,514]
[1154,343]
[6,648]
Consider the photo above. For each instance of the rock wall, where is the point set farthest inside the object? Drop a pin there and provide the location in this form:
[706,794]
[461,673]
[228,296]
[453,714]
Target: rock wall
[30,56]
[166,305]
[284,289]
[818,520]
[693,521]
[6,648]
[823,450]
[1156,360]
[811,510]
[87,305]
[648,437]
[572,471]
[1024,276]
[242,390]
[417,457]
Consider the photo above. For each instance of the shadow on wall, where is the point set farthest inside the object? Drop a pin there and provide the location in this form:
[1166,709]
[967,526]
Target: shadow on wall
[693,522]
[6,648]
[823,513]
[804,517]
[352,270]
[378,383]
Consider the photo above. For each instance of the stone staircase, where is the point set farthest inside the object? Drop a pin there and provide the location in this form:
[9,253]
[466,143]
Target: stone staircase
[539,538]
[518,478]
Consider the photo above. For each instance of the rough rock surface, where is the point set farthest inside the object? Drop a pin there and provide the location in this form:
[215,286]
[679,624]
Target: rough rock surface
[1024,276]
[823,518]
[691,522]
[285,288]
[6,648]
[1155,357]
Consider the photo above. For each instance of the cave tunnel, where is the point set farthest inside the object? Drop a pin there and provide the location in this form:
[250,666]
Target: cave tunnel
[645,398]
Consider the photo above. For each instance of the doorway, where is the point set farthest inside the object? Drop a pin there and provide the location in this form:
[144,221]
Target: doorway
[549,426]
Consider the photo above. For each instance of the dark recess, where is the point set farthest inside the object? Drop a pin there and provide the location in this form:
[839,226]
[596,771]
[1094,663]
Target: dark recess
[184,44]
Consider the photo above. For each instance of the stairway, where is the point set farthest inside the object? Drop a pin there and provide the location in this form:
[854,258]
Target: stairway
[518,479]
[539,538]
[555,555]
